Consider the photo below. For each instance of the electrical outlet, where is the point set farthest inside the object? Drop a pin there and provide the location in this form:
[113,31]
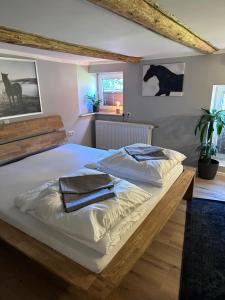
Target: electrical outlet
[70,133]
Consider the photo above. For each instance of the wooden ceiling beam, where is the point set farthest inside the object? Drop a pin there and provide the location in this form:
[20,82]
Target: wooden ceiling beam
[151,16]
[13,36]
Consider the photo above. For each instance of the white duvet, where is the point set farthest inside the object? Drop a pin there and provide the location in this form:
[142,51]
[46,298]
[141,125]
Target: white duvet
[89,224]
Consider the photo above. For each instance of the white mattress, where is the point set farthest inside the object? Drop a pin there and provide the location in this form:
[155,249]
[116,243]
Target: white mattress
[33,171]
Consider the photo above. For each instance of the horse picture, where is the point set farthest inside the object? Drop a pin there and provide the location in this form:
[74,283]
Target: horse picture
[19,89]
[163,80]
[13,90]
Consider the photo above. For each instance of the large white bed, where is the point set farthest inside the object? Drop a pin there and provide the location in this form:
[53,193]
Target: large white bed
[80,271]
[31,172]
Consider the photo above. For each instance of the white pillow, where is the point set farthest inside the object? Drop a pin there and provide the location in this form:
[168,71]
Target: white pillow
[89,223]
[122,165]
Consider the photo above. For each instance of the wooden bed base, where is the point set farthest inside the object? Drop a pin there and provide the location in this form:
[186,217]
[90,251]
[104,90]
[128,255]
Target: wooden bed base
[84,284]
[77,281]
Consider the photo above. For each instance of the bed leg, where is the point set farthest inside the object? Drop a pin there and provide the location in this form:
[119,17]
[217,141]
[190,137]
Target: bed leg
[189,193]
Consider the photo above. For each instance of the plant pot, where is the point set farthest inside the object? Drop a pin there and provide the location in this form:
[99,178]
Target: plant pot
[208,170]
[96,108]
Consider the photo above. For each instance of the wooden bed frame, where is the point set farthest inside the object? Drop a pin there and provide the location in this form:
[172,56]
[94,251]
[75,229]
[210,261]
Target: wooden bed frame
[30,136]
[20,139]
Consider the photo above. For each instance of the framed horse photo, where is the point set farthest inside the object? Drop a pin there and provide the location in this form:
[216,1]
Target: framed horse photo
[19,88]
[163,80]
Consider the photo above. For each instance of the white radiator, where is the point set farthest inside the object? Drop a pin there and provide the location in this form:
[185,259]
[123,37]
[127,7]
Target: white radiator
[113,135]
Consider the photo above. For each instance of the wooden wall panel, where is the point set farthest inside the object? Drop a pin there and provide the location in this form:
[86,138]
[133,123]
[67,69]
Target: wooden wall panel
[28,128]
[29,146]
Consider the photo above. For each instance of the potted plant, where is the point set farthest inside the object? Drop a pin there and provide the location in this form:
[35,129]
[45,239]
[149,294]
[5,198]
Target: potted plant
[95,102]
[209,121]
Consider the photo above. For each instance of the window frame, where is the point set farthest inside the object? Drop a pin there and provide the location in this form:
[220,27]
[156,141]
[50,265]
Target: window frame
[217,105]
[107,75]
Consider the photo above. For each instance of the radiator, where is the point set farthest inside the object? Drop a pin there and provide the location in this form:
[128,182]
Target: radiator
[113,135]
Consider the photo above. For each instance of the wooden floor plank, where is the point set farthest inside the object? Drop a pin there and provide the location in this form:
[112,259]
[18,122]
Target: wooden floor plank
[211,189]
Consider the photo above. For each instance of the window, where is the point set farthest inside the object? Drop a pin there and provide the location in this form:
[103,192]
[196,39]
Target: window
[218,103]
[110,90]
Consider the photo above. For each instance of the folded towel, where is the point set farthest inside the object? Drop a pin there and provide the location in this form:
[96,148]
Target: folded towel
[135,150]
[80,191]
[84,183]
[74,202]
[151,156]
[145,153]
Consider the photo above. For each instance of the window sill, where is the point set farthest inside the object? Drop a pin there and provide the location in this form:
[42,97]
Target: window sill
[86,114]
[101,113]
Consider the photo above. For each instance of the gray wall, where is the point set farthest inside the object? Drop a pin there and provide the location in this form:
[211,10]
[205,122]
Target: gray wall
[60,93]
[175,116]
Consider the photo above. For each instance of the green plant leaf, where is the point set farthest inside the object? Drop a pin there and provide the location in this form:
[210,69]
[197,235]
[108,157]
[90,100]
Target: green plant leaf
[220,112]
[206,110]
[203,132]
[196,129]
[202,121]
[219,127]
[205,126]
[210,131]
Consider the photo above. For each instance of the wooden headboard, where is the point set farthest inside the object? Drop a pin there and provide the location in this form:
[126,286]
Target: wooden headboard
[21,139]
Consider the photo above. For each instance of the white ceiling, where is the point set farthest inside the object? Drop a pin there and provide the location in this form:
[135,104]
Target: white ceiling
[79,21]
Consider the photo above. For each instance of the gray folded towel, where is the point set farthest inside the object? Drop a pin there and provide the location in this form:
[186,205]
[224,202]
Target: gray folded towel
[80,191]
[146,153]
[85,183]
[74,202]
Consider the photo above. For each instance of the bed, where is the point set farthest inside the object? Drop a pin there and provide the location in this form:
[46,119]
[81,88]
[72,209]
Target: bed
[80,270]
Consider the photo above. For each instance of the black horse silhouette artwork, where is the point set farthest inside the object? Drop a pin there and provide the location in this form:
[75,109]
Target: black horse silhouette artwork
[13,90]
[168,81]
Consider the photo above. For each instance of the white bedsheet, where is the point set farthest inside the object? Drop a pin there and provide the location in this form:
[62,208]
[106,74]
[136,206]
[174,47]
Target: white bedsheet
[33,171]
